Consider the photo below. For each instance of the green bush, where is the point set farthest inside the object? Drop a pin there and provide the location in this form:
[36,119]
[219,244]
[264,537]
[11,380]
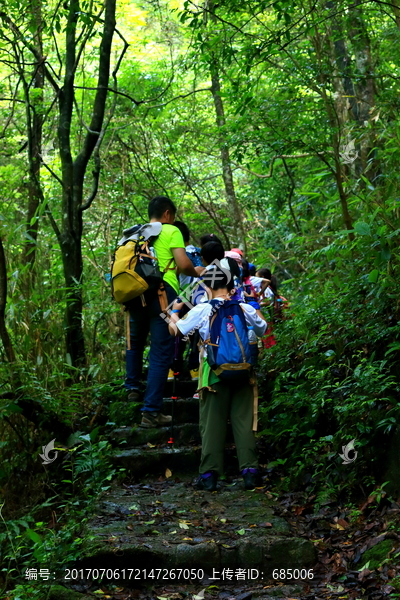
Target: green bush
[336,379]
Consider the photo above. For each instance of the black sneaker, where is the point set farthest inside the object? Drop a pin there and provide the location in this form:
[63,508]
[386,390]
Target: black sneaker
[207,481]
[133,395]
[155,419]
[251,478]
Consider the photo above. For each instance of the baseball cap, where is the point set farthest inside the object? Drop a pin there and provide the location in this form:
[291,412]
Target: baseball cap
[235,255]
[238,250]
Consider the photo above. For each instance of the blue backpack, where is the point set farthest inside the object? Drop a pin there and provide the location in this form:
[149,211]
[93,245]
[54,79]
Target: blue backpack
[228,348]
[195,256]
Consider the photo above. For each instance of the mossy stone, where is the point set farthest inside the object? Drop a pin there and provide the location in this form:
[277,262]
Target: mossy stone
[395,582]
[59,592]
[377,554]
[124,413]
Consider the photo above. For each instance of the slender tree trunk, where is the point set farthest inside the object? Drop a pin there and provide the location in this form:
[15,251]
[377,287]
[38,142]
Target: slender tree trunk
[227,174]
[338,114]
[4,335]
[73,174]
[35,125]
[290,195]
[396,11]
[364,86]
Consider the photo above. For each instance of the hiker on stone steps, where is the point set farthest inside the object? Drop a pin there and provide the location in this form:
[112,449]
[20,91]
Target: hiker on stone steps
[170,250]
[222,398]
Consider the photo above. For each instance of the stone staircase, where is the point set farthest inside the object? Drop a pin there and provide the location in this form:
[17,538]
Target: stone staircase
[135,447]
[161,521]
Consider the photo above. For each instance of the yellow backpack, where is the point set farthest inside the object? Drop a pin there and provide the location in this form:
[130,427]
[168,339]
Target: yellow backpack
[126,283]
[134,268]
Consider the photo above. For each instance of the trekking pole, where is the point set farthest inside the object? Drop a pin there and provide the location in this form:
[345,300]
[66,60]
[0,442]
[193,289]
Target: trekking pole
[174,396]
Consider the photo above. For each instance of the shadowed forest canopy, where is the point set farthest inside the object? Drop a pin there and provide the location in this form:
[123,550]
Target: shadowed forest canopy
[274,125]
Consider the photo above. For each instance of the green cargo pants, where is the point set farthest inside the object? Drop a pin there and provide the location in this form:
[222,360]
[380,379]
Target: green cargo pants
[232,400]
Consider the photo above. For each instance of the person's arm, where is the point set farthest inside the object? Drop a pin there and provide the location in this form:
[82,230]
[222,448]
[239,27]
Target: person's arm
[266,300]
[265,283]
[192,320]
[183,262]
[255,318]
[173,318]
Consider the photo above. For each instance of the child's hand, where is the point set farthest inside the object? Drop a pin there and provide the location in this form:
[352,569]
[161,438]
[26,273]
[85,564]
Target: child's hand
[200,270]
[177,305]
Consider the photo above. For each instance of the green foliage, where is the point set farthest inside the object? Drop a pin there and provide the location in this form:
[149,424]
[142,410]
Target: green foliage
[31,543]
[337,380]
[311,101]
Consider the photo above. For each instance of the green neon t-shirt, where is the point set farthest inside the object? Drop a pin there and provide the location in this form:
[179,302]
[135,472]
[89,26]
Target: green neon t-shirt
[170,237]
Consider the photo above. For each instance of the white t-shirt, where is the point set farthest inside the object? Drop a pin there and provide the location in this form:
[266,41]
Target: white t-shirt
[256,283]
[199,318]
[268,293]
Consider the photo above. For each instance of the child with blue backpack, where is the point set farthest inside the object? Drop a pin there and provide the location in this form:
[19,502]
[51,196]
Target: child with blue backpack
[226,382]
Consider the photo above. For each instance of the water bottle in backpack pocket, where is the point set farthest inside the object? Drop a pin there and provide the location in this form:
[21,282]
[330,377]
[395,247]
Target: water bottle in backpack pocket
[228,347]
[253,341]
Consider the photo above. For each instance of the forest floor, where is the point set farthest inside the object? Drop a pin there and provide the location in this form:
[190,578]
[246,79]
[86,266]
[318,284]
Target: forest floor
[157,519]
[142,517]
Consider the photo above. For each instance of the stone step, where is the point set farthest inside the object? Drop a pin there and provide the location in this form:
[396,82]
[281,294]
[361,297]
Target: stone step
[136,436]
[128,414]
[143,461]
[139,461]
[171,525]
[184,389]
[186,410]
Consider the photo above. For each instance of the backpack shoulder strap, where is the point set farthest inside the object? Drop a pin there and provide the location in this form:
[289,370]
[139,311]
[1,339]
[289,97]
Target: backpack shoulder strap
[168,267]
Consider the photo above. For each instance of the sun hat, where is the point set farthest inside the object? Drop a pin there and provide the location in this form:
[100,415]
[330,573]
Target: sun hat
[235,255]
[238,250]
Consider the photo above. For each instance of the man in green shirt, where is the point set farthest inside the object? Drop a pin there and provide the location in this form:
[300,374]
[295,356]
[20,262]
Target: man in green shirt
[171,254]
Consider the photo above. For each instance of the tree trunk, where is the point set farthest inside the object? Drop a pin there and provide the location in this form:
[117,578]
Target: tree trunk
[35,125]
[364,86]
[4,335]
[338,113]
[71,251]
[396,11]
[73,174]
[227,175]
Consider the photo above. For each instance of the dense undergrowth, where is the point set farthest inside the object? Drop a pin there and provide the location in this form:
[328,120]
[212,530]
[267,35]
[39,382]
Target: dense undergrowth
[45,530]
[333,377]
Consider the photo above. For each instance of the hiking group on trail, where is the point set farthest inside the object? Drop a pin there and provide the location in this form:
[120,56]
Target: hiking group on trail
[211,299]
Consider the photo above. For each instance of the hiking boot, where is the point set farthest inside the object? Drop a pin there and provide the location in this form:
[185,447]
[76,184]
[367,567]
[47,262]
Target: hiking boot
[170,375]
[251,478]
[207,481]
[154,419]
[194,374]
[133,395]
